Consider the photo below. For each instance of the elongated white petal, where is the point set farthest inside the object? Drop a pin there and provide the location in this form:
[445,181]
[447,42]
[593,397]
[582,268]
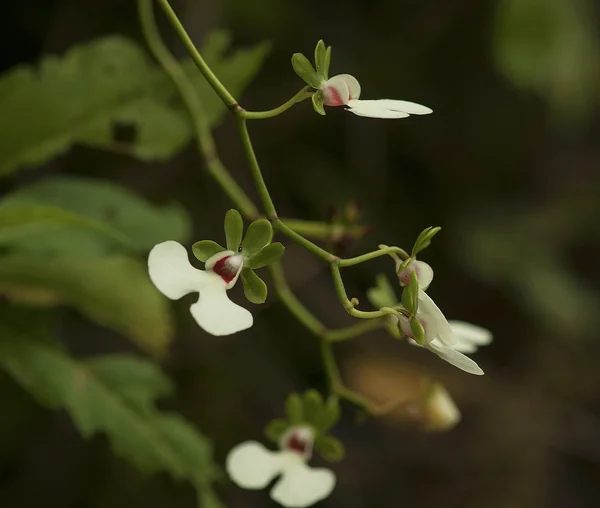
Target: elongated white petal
[301,485]
[424,274]
[432,313]
[469,337]
[455,358]
[216,313]
[171,272]
[386,108]
[252,466]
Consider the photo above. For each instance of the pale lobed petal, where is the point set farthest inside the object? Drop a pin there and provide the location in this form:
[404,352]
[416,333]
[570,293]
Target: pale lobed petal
[338,90]
[301,485]
[171,272]
[432,312]
[216,313]
[423,270]
[235,260]
[386,108]
[455,358]
[252,466]
[469,336]
[212,261]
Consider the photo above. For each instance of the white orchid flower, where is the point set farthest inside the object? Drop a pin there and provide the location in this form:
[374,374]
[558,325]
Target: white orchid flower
[174,276]
[252,466]
[423,271]
[344,90]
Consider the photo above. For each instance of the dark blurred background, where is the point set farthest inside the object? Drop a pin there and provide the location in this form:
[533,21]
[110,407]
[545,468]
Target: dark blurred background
[507,165]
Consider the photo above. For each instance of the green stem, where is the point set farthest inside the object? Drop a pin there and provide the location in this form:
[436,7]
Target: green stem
[372,255]
[305,242]
[213,81]
[189,95]
[324,230]
[303,94]
[348,304]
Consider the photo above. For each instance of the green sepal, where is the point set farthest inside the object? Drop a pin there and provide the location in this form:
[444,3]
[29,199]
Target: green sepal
[321,60]
[327,63]
[306,71]
[330,448]
[382,294]
[258,236]
[410,295]
[205,249]
[417,330]
[234,229]
[255,288]
[268,255]
[313,407]
[424,239]
[329,416]
[294,408]
[276,428]
[317,102]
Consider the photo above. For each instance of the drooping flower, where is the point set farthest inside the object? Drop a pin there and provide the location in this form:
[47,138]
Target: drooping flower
[344,90]
[174,276]
[252,466]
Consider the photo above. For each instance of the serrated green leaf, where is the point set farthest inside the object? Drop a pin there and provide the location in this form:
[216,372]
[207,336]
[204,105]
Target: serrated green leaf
[114,207]
[114,291]
[321,60]
[330,448]
[306,71]
[382,295]
[268,255]
[108,94]
[330,414]
[312,407]
[205,249]
[294,408]
[317,102]
[424,239]
[255,288]
[276,428]
[234,229]
[258,236]
[151,441]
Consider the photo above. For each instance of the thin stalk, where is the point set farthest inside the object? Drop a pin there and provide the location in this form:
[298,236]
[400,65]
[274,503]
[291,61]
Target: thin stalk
[372,255]
[303,94]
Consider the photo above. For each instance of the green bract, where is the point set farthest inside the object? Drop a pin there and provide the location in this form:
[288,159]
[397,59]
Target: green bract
[268,255]
[410,295]
[254,287]
[205,249]
[417,330]
[424,240]
[234,229]
[258,236]
[317,102]
[330,448]
[304,69]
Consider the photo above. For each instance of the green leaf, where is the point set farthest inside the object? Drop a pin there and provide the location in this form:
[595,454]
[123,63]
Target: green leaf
[254,287]
[111,396]
[382,295]
[330,448]
[321,60]
[417,330]
[258,236]
[268,255]
[275,429]
[114,291]
[306,71]
[317,102]
[294,408]
[424,239]
[110,206]
[25,222]
[234,229]
[108,94]
[313,407]
[330,414]
[410,295]
[205,249]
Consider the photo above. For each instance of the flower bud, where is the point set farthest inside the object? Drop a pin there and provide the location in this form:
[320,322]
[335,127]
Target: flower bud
[439,410]
[340,89]
[423,270]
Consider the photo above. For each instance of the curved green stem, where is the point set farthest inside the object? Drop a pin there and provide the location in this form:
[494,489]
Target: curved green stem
[303,94]
[213,81]
[324,230]
[372,255]
[280,226]
[192,102]
[349,305]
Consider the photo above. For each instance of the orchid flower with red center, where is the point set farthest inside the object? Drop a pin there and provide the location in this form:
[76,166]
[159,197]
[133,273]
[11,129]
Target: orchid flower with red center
[344,90]
[253,466]
[174,276]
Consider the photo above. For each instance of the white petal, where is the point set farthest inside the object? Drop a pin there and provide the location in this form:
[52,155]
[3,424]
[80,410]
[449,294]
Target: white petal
[211,261]
[252,466]
[171,272]
[442,411]
[236,262]
[429,309]
[216,313]
[339,89]
[424,274]
[301,485]
[386,108]
[469,336]
[455,358]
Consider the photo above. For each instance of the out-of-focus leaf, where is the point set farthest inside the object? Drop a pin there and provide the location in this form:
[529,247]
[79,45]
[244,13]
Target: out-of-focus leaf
[111,396]
[114,291]
[382,295]
[551,47]
[111,207]
[108,94]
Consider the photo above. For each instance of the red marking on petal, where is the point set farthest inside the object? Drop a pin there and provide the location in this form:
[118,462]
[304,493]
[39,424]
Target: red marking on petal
[225,270]
[297,444]
[334,98]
